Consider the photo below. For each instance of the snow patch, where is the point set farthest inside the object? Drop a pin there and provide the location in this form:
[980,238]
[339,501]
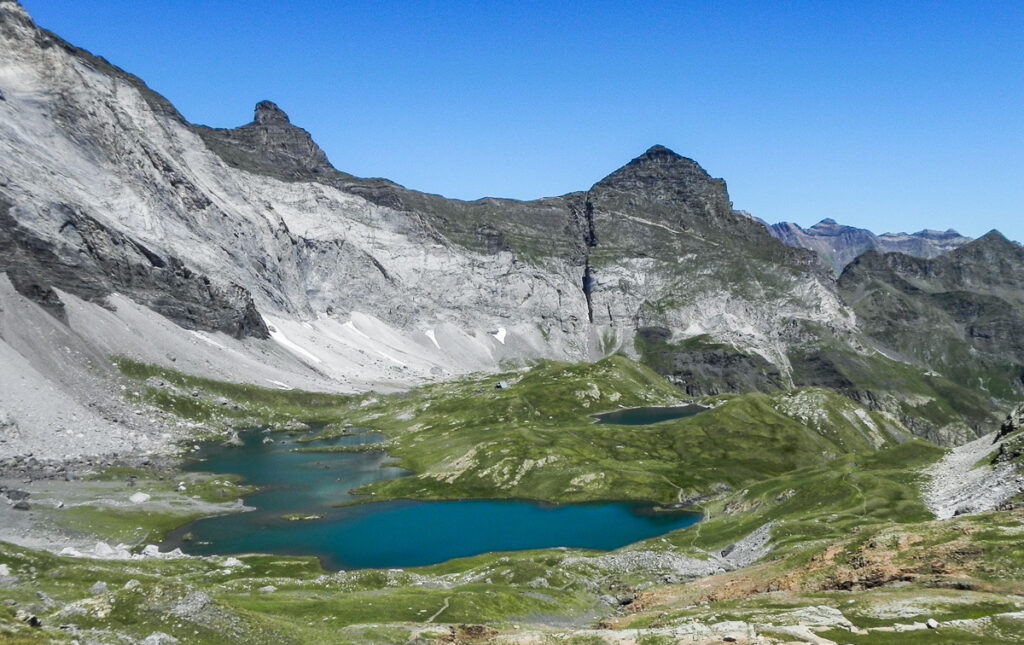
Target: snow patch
[206,339]
[433,337]
[282,340]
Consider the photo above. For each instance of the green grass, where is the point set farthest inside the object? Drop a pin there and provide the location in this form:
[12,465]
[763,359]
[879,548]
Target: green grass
[127,525]
[827,502]
[536,439]
[933,406]
[206,400]
[839,483]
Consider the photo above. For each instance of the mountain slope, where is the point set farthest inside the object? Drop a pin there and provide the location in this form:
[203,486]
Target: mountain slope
[261,253]
[970,301]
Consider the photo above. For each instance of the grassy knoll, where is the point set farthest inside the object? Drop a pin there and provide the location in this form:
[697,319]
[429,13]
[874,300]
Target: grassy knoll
[220,403]
[536,440]
[942,408]
[99,506]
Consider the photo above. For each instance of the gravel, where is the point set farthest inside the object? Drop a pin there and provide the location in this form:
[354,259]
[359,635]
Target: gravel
[956,487]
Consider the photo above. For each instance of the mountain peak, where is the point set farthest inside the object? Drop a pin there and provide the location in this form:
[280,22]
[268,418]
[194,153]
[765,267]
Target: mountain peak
[660,151]
[270,145]
[996,242]
[267,113]
[994,236]
[658,166]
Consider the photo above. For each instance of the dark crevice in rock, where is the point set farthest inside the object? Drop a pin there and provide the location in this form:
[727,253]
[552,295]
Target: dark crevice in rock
[588,286]
[380,267]
[582,223]
[588,213]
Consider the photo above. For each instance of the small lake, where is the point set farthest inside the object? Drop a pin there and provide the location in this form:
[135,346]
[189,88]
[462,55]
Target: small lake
[389,534]
[648,416]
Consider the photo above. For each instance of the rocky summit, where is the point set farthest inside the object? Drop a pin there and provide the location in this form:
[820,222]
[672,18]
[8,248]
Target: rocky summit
[169,289]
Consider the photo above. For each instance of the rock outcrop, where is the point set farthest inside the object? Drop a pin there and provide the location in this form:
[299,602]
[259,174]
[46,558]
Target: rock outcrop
[269,145]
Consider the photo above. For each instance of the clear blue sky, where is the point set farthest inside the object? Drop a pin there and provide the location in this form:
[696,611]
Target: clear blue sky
[888,115]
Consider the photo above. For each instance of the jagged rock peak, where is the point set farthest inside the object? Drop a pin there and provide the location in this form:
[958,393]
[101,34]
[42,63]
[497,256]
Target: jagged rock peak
[267,113]
[12,13]
[270,145]
[659,155]
[657,166]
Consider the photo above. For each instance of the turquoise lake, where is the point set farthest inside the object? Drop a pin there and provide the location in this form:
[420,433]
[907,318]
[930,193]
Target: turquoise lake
[649,415]
[394,533]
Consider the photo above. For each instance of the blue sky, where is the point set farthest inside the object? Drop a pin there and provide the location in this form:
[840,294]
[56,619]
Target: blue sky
[895,116]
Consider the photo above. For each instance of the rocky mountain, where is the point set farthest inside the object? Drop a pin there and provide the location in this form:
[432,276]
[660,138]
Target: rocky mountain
[838,245]
[242,254]
[970,302]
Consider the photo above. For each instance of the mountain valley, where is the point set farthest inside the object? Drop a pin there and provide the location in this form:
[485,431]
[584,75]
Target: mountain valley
[166,286]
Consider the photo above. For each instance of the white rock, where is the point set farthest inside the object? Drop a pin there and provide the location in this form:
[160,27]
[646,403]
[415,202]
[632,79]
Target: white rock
[932,623]
[139,498]
[103,550]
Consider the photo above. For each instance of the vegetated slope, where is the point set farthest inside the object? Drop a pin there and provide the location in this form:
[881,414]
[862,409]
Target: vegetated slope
[960,315]
[837,245]
[534,439]
[775,560]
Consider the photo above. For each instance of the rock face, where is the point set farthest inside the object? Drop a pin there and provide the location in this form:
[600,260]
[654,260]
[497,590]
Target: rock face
[701,368]
[1014,421]
[110,200]
[837,245]
[109,261]
[269,145]
[970,301]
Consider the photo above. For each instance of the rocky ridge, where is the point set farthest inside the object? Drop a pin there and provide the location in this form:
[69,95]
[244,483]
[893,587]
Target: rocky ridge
[838,245]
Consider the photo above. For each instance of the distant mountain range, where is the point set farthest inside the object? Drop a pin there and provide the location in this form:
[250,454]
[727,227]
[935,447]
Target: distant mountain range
[838,244]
